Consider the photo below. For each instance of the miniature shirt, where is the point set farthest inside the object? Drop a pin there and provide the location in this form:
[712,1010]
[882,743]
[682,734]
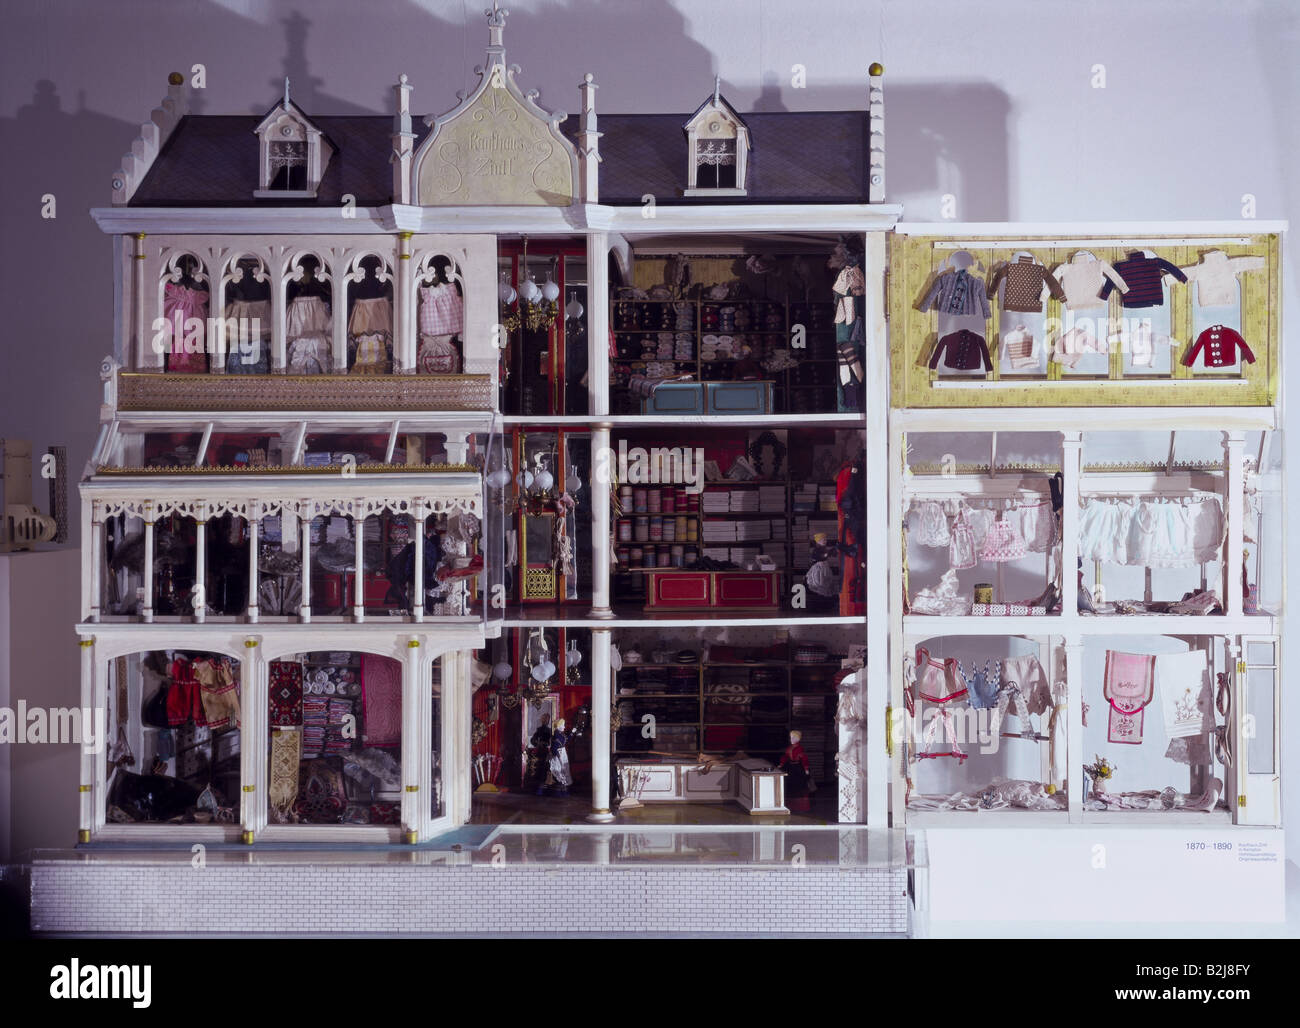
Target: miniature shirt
[964,351]
[1025,279]
[1216,277]
[1220,348]
[1144,276]
[1082,278]
[957,292]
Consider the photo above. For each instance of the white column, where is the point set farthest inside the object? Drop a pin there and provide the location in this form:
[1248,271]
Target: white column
[99,761]
[601,558]
[304,608]
[415,716]
[279,343]
[598,323]
[417,586]
[254,735]
[88,798]
[146,611]
[340,312]
[254,526]
[404,348]
[358,559]
[897,773]
[601,700]
[458,450]
[1075,782]
[879,546]
[96,561]
[146,358]
[1071,469]
[1234,778]
[199,596]
[1233,601]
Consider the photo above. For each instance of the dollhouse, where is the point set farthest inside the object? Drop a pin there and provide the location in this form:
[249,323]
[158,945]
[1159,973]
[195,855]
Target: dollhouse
[428,442]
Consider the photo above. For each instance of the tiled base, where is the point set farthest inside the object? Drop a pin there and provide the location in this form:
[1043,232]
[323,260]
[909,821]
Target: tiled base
[70,897]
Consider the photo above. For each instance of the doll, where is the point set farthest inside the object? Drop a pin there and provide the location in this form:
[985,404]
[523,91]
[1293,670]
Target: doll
[798,782]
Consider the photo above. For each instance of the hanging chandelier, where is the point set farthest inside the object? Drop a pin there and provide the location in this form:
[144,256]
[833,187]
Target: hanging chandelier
[534,307]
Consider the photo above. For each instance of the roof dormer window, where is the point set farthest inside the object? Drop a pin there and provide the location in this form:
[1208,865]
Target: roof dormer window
[293,153]
[717,149]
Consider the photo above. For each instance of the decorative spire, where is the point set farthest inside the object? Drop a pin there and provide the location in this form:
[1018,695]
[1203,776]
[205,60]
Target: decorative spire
[717,88]
[286,92]
[496,23]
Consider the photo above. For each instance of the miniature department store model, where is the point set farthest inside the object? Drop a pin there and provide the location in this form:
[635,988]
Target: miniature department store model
[500,500]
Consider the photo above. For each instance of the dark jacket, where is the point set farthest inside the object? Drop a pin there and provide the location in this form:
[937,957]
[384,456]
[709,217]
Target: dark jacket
[1143,276]
[965,350]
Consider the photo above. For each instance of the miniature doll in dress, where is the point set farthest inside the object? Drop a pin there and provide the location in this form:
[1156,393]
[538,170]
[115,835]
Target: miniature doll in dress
[798,782]
[560,777]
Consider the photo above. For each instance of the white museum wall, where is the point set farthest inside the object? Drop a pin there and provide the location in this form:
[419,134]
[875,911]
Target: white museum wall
[994,104]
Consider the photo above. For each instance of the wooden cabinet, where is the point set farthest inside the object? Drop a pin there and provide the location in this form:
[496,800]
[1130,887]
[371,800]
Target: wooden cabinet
[673,589]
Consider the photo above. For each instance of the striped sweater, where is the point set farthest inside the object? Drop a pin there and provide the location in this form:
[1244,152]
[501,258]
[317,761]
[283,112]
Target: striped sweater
[1144,277]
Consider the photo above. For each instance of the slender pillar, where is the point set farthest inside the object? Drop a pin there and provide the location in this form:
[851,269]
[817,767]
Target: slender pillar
[1234,508]
[598,323]
[876,677]
[415,760]
[254,526]
[87,796]
[304,608]
[601,558]
[199,596]
[404,348]
[252,813]
[146,611]
[417,601]
[96,561]
[1071,467]
[146,358]
[601,700]
[1074,779]
[358,560]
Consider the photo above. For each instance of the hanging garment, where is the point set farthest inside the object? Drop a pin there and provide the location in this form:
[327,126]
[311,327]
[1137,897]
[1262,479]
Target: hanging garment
[1184,683]
[1018,345]
[983,685]
[1139,338]
[1104,530]
[371,355]
[438,356]
[309,331]
[961,547]
[381,700]
[1216,277]
[1159,536]
[1002,543]
[442,312]
[1025,281]
[963,350]
[187,341]
[1056,735]
[374,316]
[1024,692]
[286,755]
[939,681]
[284,694]
[931,527]
[248,337]
[183,701]
[979,519]
[1037,526]
[1145,278]
[848,284]
[1206,528]
[957,292]
[1082,278]
[1219,346]
[219,692]
[1129,686]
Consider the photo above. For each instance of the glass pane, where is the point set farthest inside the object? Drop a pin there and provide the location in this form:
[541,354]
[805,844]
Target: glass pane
[336,739]
[176,757]
[1259,653]
[1259,745]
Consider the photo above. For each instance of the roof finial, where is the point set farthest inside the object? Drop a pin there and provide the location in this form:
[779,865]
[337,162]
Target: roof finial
[496,23]
[717,88]
[286,92]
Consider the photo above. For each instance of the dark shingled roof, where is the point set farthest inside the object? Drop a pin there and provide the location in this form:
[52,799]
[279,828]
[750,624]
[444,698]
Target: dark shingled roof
[795,157]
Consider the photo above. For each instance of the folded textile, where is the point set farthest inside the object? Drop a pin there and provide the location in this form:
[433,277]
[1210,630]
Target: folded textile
[1185,697]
